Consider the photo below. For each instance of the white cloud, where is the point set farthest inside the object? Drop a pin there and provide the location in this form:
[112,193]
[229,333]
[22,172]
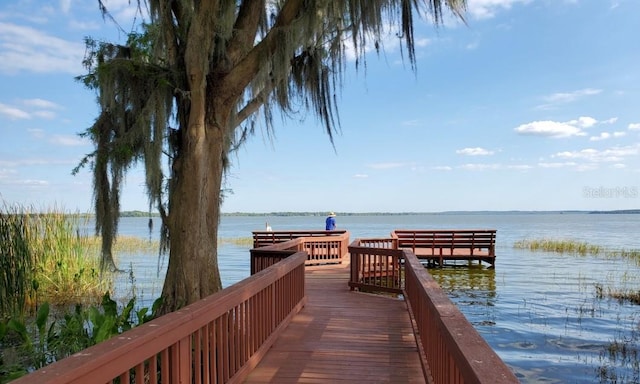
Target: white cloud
[485,9]
[68,140]
[479,167]
[13,113]
[557,164]
[44,111]
[549,129]
[423,42]
[25,49]
[35,161]
[618,166]
[442,168]
[634,127]
[607,135]
[555,99]
[65,5]
[389,42]
[614,154]
[49,115]
[83,25]
[586,167]
[567,97]
[584,122]
[477,151]
[41,103]
[31,182]
[360,176]
[569,128]
[522,167]
[602,136]
[5,173]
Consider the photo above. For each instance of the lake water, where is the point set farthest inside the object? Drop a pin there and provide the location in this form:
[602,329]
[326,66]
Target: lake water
[542,312]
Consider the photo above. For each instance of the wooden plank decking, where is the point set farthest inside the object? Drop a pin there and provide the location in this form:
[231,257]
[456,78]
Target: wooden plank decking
[343,336]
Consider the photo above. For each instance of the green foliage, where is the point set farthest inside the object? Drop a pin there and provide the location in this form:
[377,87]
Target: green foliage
[559,246]
[33,344]
[16,261]
[578,248]
[238,241]
[44,258]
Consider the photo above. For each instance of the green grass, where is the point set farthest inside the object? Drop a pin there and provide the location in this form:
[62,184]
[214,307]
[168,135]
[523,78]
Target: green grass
[122,244]
[45,259]
[239,241]
[559,246]
[578,248]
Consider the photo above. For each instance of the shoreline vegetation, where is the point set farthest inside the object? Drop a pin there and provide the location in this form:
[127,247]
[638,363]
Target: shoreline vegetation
[52,287]
[581,248]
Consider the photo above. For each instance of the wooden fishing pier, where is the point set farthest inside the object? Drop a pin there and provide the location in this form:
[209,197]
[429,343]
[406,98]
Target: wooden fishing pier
[316,309]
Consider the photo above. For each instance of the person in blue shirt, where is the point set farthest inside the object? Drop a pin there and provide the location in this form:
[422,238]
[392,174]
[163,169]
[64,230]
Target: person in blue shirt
[330,223]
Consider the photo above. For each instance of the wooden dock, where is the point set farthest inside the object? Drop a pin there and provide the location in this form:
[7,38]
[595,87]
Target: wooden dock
[294,322]
[329,341]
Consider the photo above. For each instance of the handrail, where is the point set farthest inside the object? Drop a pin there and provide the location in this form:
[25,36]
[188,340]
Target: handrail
[217,339]
[452,350]
[268,255]
[262,238]
[323,247]
[376,266]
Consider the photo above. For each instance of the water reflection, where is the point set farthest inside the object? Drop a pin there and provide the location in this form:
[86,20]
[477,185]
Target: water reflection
[468,285]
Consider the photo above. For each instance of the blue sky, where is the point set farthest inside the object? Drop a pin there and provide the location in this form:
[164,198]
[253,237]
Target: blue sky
[533,105]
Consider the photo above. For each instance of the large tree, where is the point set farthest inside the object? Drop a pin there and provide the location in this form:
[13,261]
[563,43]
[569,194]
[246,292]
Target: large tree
[190,85]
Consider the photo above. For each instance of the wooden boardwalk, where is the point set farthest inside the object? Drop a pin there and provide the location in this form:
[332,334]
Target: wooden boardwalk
[343,336]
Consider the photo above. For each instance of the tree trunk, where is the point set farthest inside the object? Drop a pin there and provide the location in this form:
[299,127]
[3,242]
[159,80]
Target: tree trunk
[195,202]
[193,222]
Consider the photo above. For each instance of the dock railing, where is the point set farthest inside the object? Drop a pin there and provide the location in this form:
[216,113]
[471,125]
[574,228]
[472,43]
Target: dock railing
[323,247]
[218,339]
[376,265]
[451,349]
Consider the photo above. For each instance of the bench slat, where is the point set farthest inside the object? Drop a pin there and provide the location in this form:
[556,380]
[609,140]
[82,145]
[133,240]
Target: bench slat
[448,244]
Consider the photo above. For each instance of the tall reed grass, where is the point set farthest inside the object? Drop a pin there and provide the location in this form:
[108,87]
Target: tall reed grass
[16,262]
[578,247]
[44,258]
[237,241]
[559,246]
[122,244]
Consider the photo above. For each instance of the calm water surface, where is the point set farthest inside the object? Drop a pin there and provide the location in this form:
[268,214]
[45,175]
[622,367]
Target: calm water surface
[541,312]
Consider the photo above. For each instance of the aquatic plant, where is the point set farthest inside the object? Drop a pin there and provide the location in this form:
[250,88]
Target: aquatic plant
[559,246]
[29,344]
[238,241]
[44,258]
[622,296]
[123,244]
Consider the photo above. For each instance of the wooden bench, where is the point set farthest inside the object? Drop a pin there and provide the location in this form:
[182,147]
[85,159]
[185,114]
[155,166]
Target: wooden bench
[440,245]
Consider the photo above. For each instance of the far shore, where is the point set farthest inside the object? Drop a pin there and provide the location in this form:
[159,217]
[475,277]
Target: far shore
[148,214]
[514,212]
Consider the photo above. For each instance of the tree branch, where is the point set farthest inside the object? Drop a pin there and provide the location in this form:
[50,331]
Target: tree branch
[241,75]
[245,28]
